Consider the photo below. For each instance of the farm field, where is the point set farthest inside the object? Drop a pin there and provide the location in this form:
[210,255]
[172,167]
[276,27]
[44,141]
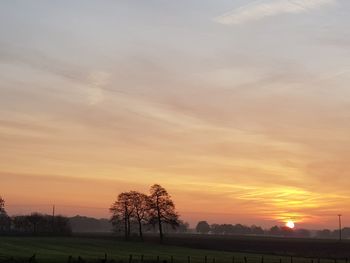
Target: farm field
[305,247]
[93,249]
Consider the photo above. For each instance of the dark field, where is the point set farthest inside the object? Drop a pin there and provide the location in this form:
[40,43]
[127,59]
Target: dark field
[266,245]
[180,248]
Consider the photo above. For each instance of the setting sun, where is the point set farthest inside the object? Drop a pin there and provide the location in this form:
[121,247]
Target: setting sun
[290,224]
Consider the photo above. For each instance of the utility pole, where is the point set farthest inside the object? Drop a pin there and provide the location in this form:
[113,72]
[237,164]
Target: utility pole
[340,227]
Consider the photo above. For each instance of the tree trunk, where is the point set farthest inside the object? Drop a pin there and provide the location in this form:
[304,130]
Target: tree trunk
[129,228]
[160,230]
[159,222]
[126,222]
[140,229]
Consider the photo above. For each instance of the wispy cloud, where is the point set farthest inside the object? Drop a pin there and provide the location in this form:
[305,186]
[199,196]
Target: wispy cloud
[98,79]
[260,9]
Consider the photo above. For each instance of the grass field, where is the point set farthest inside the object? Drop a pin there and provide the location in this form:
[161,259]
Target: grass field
[93,250]
[59,249]
[303,247]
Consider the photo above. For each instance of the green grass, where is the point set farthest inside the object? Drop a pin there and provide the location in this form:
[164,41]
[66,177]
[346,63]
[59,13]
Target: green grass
[57,250]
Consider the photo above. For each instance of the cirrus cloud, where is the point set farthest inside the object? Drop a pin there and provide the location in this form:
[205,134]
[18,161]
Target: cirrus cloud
[260,9]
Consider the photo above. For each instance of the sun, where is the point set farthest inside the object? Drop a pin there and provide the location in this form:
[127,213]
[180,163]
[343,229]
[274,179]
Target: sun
[290,224]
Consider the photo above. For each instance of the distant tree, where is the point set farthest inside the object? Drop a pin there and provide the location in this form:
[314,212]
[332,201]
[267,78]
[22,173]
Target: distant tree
[34,220]
[87,224]
[275,231]
[286,231]
[183,227]
[227,229]
[302,233]
[21,224]
[39,224]
[121,210]
[257,230]
[5,220]
[216,229]
[5,223]
[240,229]
[140,206]
[162,208]
[62,225]
[203,227]
[325,233]
[335,234]
[346,232]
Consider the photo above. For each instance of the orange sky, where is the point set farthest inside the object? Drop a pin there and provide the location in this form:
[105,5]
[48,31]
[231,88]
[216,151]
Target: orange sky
[243,115]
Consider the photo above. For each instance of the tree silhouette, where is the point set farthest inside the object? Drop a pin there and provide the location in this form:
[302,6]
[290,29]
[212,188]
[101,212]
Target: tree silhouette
[5,221]
[257,230]
[140,206]
[39,224]
[122,210]
[34,219]
[162,208]
[325,233]
[203,227]
[21,224]
[275,231]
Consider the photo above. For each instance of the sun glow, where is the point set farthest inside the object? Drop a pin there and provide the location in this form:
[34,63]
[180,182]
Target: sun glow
[290,224]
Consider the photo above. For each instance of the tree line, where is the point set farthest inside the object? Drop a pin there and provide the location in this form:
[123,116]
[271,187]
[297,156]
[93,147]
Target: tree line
[33,224]
[227,229]
[155,210]
[135,212]
[203,227]
[327,234]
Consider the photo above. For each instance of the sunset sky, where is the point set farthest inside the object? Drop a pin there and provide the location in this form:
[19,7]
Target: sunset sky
[240,109]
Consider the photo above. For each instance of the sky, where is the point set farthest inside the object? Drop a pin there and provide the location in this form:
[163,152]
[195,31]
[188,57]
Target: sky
[240,109]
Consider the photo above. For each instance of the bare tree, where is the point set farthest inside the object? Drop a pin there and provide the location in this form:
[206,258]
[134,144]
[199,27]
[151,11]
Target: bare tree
[39,224]
[122,210]
[203,227]
[140,206]
[5,220]
[162,208]
[35,219]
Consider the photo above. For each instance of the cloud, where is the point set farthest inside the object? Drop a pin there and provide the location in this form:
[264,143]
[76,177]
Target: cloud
[32,58]
[94,82]
[261,9]
[98,80]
